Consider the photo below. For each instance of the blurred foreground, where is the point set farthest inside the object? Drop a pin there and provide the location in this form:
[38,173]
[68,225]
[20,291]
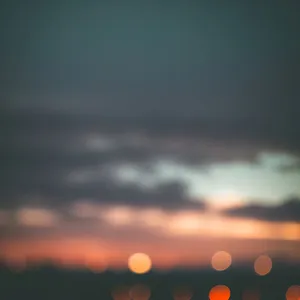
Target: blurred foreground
[48,282]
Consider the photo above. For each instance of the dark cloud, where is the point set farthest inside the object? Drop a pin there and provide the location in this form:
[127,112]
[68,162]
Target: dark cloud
[272,130]
[51,192]
[288,211]
[39,152]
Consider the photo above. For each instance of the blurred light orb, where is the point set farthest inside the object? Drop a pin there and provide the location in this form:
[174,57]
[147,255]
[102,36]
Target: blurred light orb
[219,292]
[140,292]
[139,263]
[263,265]
[121,293]
[182,293]
[221,261]
[293,293]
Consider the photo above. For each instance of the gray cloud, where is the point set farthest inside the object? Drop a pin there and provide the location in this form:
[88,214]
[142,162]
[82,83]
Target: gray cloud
[292,168]
[288,211]
[54,193]
[40,151]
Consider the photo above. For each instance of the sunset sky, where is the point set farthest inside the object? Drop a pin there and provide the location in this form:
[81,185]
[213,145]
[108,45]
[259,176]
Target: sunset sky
[169,129]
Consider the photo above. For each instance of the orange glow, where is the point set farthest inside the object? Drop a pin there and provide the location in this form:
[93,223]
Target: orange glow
[140,292]
[152,217]
[185,223]
[263,265]
[182,293]
[188,222]
[120,293]
[36,217]
[139,263]
[118,215]
[290,231]
[219,292]
[173,251]
[209,224]
[293,293]
[221,261]
[180,223]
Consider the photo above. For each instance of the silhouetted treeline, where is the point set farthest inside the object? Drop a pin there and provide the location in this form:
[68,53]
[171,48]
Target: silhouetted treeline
[55,284]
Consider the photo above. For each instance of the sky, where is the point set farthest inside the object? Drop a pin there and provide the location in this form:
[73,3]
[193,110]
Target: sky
[128,126]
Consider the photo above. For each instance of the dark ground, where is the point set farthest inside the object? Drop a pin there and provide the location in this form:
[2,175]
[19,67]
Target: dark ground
[50,283]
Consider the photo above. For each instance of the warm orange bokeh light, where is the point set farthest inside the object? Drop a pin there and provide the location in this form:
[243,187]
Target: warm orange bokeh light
[293,293]
[140,292]
[263,265]
[251,295]
[182,293]
[120,293]
[139,263]
[219,292]
[221,261]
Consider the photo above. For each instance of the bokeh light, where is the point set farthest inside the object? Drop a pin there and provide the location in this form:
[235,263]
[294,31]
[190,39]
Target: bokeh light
[221,261]
[140,292]
[263,265]
[139,263]
[293,293]
[121,293]
[182,293]
[219,292]
[251,295]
